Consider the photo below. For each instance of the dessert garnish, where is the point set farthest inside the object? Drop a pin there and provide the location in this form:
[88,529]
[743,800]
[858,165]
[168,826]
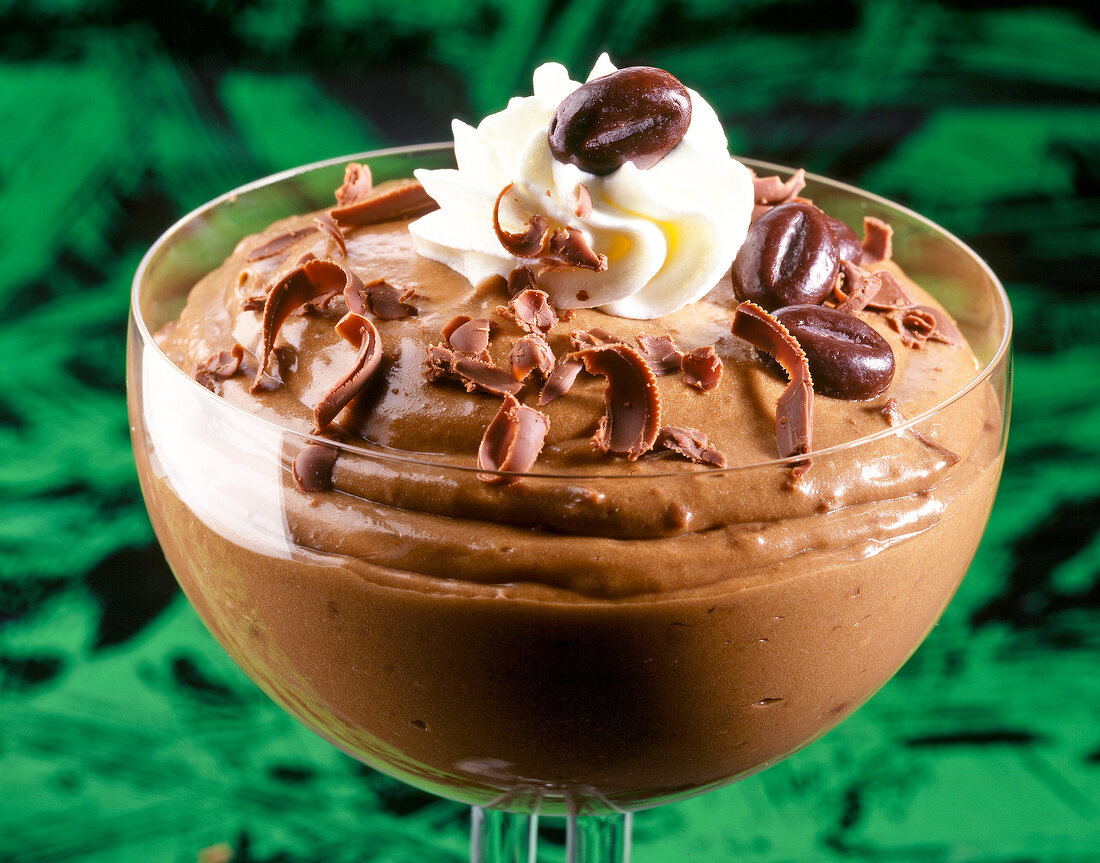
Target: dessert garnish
[632,415]
[668,215]
[531,353]
[313,467]
[794,410]
[692,444]
[789,256]
[277,244]
[512,440]
[401,199]
[314,281]
[918,324]
[380,299]
[634,115]
[702,368]
[561,378]
[892,411]
[363,336]
[221,366]
[661,352]
[471,371]
[847,357]
[328,227]
[357,184]
[770,191]
[878,240]
[531,310]
[467,335]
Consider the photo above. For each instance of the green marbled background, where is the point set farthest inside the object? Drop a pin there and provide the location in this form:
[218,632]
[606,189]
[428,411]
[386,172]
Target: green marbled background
[126,735]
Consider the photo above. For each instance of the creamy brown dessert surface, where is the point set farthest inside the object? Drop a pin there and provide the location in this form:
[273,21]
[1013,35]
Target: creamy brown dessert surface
[602,631]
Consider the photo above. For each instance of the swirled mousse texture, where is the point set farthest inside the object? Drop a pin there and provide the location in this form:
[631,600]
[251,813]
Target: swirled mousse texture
[667,229]
[645,603]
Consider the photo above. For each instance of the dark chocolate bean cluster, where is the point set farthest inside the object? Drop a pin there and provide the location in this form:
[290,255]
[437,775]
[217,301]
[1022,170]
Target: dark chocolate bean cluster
[789,265]
[634,115]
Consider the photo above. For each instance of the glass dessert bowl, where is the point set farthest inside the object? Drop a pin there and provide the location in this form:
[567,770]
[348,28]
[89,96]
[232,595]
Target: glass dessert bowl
[576,640]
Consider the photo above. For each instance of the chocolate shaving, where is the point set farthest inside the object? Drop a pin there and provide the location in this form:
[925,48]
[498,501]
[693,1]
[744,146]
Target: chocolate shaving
[315,281]
[405,199]
[593,338]
[892,411]
[661,352]
[692,444]
[532,310]
[880,290]
[327,226]
[521,279]
[702,368]
[313,468]
[878,240]
[632,415]
[472,372]
[531,353]
[560,379]
[380,299]
[512,441]
[770,192]
[583,207]
[278,244]
[358,184]
[467,335]
[221,366]
[554,248]
[919,324]
[794,410]
[361,334]
[253,303]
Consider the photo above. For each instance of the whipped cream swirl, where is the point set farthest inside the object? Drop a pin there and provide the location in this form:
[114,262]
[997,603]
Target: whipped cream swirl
[668,232]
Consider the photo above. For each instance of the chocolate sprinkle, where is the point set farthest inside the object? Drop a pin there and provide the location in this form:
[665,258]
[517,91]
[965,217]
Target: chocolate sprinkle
[632,415]
[794,410]
[702,368]
[362,335]
[512,440]
[278,244]
[313,468]
[405,199]
[312,282]
[692,444]
[892,411]
[531,353]
[661,352]
[358,184]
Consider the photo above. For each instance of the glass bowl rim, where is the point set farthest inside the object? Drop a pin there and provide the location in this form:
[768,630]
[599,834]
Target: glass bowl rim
[426,460]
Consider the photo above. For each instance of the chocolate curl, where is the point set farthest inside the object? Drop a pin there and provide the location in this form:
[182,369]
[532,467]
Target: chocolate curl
[770,192]
[661,352]
[381,300]
[632,419]
[472,372]
[880,290]
[593,338]
[403,200]
[569,250]
[313,468]
[692,444]
[467,335]
[878,240]
[520,279]
[277,244]
[560,379]
[702,369]
[892,411]
[362,335]
[794,410]
[919,324]
[327,226]
[221,366]
[531,353]
[358,184]
[512,441]
[532,310]
[531,243]
[582,209]
[315,281]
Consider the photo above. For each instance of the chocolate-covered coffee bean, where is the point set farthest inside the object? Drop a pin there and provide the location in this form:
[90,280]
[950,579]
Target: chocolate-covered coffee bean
[847,357]
[637,114]
[790,256]
[849,247]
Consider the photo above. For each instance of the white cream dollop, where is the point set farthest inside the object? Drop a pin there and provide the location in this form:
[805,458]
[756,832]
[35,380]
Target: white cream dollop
[669,232]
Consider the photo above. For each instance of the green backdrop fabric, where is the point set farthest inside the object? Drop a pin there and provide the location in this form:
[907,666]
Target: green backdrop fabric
[127,735]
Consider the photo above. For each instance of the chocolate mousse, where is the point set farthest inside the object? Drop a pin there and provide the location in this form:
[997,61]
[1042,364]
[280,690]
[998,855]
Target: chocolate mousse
[551,543]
